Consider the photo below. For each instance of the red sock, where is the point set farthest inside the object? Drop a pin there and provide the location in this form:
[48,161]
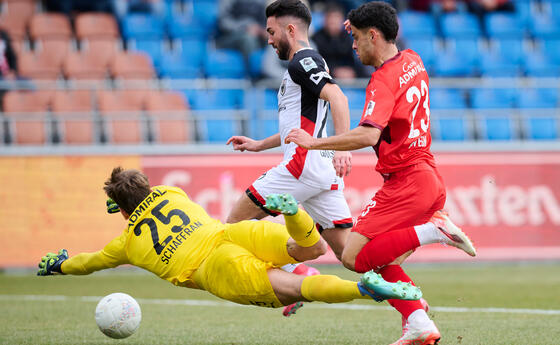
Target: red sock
[393,273]
[385,248]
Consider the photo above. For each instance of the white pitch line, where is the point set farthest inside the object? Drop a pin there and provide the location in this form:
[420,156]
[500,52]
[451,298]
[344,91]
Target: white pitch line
[342,306]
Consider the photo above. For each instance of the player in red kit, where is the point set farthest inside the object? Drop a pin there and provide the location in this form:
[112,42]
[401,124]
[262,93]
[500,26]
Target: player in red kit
[406,212]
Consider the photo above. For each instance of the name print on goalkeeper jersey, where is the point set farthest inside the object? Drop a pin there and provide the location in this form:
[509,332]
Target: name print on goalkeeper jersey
[166,232]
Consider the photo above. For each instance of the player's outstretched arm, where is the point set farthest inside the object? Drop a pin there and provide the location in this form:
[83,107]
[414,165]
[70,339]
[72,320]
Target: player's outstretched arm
[242,143]
[51,263]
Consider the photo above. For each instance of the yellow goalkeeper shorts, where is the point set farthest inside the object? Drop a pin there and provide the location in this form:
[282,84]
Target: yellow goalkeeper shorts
[237,269]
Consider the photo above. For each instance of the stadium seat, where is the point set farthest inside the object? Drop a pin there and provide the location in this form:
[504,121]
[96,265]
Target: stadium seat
[83,65]
[255,63]
[447,99]
[450,63]
[15,16]
[140,25]
[26,112]
[55,50]
[538,98]
[14,26]
[221,99]
[73,113]
[425,47]
[451,128]
[179,65]
[122,118]
[131,66]
[102,49]
[419,25]
[216,130]
[50,26]
[96,26]
[506,58]
[539,127]
[153,47]
[224,63]
[169,115]
[500,25]
[206,12]
[182,26]
[460,25]
[544,27]
[493,98]
[552,49]
[36,66]
[539,64]
[356,98]
[496,126]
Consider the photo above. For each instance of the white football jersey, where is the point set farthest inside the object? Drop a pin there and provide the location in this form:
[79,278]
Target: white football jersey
[299,106]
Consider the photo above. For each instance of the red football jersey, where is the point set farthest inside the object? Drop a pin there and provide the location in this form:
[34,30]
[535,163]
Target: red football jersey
[398,103]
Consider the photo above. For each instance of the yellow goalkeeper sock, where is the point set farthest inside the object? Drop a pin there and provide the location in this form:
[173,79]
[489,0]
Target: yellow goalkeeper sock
[302,229]
[330,289]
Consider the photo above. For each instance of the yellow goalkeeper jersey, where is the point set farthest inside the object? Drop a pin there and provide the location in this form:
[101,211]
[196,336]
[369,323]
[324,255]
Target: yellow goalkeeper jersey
[167,234]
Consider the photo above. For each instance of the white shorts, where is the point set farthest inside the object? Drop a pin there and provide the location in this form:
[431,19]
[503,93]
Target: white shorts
[328,208]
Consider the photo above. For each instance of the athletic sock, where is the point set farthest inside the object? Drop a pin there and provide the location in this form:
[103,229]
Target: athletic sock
[428,233]
[385,248]
[418,318]
[302,229]
[330,289]
[393,273]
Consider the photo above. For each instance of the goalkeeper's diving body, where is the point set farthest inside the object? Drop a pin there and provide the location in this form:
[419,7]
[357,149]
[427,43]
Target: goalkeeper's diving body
[174,238]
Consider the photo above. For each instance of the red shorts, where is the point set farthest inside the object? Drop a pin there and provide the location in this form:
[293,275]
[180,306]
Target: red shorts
[408,197]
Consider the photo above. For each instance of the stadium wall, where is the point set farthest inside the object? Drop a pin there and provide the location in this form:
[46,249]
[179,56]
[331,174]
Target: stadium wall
[508,202]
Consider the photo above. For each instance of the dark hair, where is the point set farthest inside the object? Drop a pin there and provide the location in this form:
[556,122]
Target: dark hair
[127,188]
[377,14]
[294,8]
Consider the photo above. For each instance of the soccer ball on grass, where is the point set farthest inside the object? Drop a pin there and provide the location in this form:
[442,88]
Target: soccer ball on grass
[118,315]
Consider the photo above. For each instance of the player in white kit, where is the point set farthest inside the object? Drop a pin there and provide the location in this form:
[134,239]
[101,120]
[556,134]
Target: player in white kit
[314,178]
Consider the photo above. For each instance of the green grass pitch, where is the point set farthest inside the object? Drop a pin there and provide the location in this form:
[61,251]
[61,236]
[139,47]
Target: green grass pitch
[473,304]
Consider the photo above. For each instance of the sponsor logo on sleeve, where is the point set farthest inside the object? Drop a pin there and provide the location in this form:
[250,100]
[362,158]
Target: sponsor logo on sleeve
[308,64]
[369,109]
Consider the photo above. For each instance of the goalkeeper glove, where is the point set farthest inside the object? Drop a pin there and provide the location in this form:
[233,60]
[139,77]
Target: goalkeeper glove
[50,264]
[112,206]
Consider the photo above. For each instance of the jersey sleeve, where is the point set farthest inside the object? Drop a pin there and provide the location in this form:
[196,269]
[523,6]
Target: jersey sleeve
[310,72]
[380,102]
[111,256]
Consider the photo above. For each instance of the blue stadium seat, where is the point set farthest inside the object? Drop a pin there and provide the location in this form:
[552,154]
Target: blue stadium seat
[496,127]
[467,48]
[544,27]
[539,64]
[217,99]
[255,63]
[217,130]
[554,6]
[193,50]
[417,25]
[552,49]
[506,58]
[486,98]
[175,65]
[447,99]
[139,25]
[504,25]
[538,98]
[541,127]
[224,63]
[460,25]
[153,47]
[206,12]
[182,26]
[451,128]
[425,47]
[271,99]
[450,64]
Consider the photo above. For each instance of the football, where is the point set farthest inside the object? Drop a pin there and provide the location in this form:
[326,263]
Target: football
[118,315]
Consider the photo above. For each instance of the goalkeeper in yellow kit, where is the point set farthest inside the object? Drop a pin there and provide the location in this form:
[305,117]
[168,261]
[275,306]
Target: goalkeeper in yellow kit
[174,238]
